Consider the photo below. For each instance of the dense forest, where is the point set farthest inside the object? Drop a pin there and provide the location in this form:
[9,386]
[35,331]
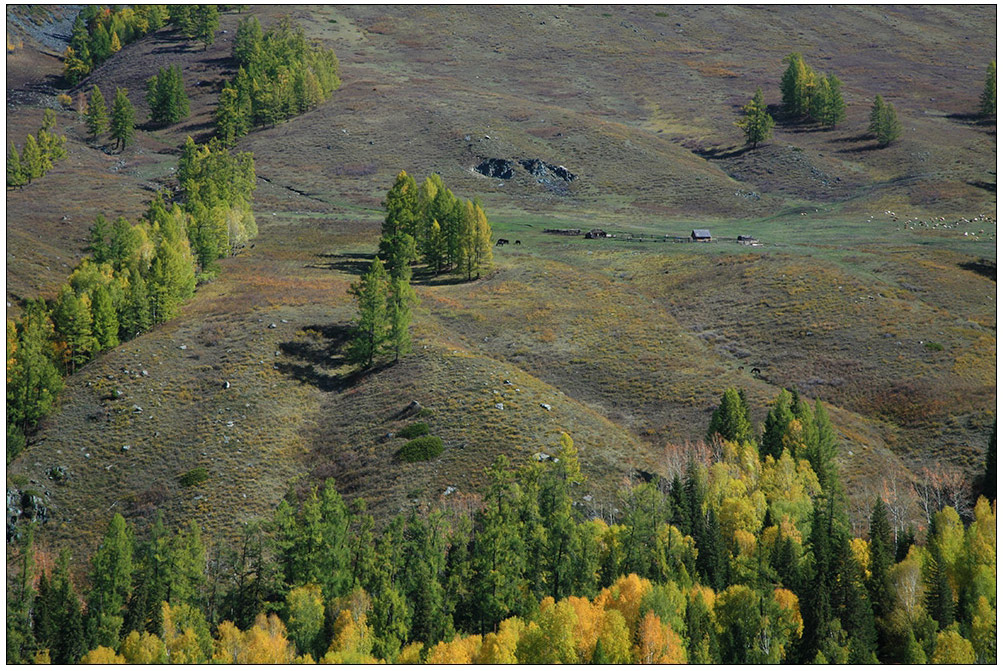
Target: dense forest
[744,555]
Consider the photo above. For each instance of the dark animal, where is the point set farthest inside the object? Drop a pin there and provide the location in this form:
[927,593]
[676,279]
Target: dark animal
[518,242]
[501,241]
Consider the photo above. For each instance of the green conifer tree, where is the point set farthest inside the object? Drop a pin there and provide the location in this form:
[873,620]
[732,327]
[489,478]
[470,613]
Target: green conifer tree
[987,101]
[96,115]
[397,242]
[15,172]
[34,381]
[778,419]
[111,583]
[757,124]
[31,159]
[874,122]
[400,300]
[730,419]
[73,320]
[106,324]
[123,119]
[371,327]
[889,128]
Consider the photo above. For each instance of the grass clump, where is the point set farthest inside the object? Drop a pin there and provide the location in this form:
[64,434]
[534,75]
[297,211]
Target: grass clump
[934,346]
[422,448]
[414,430]
[196,476]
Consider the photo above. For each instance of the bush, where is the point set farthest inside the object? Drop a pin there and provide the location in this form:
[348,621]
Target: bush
[934,346]
[414,430]
[196,476]
[420,449]
[64,100]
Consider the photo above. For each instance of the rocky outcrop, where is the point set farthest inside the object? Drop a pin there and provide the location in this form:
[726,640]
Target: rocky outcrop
[546,171]
[495,167]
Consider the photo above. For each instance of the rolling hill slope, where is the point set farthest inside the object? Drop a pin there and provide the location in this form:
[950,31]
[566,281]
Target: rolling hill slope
[629,343]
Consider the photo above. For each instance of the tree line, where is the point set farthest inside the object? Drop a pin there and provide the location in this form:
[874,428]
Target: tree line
[38,155]
[738,556]
[279,75]
[137,275]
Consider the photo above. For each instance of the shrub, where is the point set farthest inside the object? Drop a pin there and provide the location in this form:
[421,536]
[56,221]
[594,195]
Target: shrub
[414,430]
[196,476]
[934,346]
[64,100]
[420,449]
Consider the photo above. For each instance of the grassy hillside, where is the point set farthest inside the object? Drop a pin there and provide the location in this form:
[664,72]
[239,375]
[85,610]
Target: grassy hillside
[629,342]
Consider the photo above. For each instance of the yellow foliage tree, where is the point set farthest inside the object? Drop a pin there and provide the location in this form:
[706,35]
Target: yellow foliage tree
[500,647]
[625,595]
[143,648]
[458,651]
[102,655]
[861,551]
[952,648]
[410,653]
[658,643]
[352,642]
[613,646]
[588,621]
[266,642]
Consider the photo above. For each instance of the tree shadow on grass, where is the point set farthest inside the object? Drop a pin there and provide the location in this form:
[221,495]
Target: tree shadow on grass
[984,267]
[857,150]
[313,357]
[351,263]
[721,153]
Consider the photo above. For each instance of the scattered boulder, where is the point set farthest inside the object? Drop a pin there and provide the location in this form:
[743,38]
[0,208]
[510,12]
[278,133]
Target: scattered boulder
[542,456]
[57,473]
[495,167]
[449,490]
[499,406]
[226,384]
[545,406]
[126,448]
[272,325]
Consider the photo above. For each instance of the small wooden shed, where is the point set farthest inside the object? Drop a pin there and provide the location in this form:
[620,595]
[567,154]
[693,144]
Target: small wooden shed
[700,235]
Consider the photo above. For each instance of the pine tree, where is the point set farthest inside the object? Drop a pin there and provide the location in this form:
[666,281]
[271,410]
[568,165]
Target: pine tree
[123,118]
[97,113]
[889,128]
[34,381]
[116,43]
[795,85]
[371,327]
[730,419]
[73,320]
[987,101]
[205,24]
[106,324]
[165,94]
[135,317]
[882,555]
[822,449]
[778,419]
[21,597]
[111,582]
[52,146]
[397,242]
[874,123]
[834,111]
[31,159]
[757,124]
[15,172]
[400,300]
